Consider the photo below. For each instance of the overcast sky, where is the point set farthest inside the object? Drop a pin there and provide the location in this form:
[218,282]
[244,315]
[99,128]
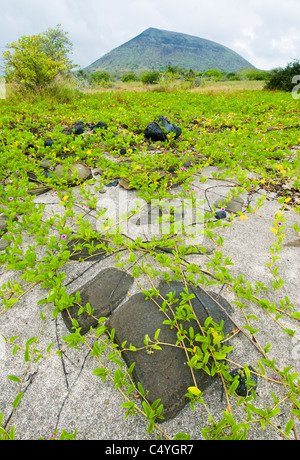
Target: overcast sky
[265,32]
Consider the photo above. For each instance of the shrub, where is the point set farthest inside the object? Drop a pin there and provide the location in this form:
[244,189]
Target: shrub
[150,78]
[255,74]
[100,77]
[214,74]
[128,77]
[282,79]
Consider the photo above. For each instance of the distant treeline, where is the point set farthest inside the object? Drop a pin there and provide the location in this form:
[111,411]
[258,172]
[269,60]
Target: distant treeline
[170,74]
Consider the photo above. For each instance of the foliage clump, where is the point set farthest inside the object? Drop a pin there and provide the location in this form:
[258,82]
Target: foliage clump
[283,78]
[34,62]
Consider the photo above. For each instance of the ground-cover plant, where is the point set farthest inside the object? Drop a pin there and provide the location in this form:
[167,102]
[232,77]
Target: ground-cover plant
[242,135]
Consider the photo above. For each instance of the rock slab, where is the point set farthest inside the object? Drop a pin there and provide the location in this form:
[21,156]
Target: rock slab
[104,293]
[164,373]
[84,251]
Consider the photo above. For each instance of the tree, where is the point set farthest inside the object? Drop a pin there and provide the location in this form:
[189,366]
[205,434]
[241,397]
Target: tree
[35,61]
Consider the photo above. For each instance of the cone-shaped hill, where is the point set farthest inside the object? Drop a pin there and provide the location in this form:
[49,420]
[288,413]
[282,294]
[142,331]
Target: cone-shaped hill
[157,49]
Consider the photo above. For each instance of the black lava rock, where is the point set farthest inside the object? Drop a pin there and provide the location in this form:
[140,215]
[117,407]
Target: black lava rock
[158,130]
[170,127]
[100,125]
[154,132]
[78,128]
[220,215]
[242,389]
[48,143]
[113,183]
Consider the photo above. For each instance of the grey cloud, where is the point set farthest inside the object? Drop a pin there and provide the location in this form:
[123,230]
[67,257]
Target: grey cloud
[264,32]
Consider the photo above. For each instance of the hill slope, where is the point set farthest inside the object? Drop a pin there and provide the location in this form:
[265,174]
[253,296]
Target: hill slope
[155,48]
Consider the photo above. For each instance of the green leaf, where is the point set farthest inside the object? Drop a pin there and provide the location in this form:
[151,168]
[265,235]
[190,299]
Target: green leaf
[290,332]
[17,400]
[289,426]
[156,334]
[182,437]
[14,378]
[230,420]
[295,315]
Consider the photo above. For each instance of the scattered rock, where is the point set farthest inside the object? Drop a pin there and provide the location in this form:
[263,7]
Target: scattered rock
[79,128]
[169,127]
[154,132]
[40,190]
[293,244]
[114,183]
[242,387]
[157,131]
[4,224]
[4,244]
[77,173]
[100,125]
[46,164]
[97,172]
[164,373]
[104,293]
[123,182]
[235,205]
[220,215]
[48,143]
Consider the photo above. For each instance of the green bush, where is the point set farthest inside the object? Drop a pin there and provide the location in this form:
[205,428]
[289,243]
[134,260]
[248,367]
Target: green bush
[232,76]
[214,74]
[255,74]
[128,77]
[150,78]
[282,79]
[100,77]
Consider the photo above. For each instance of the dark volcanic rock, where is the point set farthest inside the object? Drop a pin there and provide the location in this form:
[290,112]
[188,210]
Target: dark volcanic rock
[100,125]
[4,223]
[48,143]
[158,131]
[164,373]
[242,387]
[154,132]
[169,127]
[220,215]
[104,293]
[79,128]
[98,254]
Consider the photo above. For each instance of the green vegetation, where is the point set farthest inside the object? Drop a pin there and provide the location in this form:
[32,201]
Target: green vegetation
[34,62]
[166,79]
[239,133]
[283,79]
